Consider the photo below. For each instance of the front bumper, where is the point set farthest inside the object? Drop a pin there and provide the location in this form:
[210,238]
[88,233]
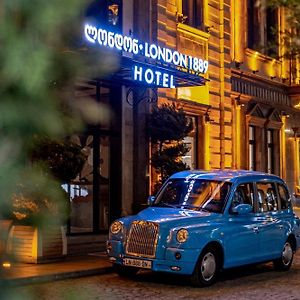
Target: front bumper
[173,260]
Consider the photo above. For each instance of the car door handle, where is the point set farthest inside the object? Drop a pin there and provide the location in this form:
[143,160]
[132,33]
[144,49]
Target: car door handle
[255,229]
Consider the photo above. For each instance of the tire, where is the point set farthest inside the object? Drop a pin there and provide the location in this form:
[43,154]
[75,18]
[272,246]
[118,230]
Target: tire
[124,271]
[207,268]
[285,261]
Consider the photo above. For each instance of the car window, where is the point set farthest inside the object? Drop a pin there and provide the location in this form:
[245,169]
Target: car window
[267,197]
[194,194]
[243,194]
[284,197]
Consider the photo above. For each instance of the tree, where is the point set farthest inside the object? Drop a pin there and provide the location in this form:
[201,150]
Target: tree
[36,68]
[168,126]
[290,41]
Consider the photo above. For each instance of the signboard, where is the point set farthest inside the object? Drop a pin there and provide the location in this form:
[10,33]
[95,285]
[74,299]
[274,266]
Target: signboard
[151,76]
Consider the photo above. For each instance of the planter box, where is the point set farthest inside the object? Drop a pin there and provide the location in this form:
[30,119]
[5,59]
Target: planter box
[5,226]
[34,245]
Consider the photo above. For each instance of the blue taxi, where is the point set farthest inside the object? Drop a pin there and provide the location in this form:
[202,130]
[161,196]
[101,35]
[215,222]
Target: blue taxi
[202,222]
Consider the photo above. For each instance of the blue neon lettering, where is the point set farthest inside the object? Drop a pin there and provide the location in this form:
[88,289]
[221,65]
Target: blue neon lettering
[158,74]
[119,41]
[137,74]
[168,55]
[128,44]
[183,60]
[153,77]
[172,86]
[176,58]
[102,37]
[162,54]
[90,33]
[153,51]
[148,79]
[165,80]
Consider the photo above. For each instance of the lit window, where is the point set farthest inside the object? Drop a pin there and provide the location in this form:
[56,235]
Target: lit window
[252,148]
[192,11]
[262,28]
[190,141]
[270,157]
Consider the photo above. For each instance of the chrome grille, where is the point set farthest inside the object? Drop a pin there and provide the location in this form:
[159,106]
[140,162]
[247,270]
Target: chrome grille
[142,239]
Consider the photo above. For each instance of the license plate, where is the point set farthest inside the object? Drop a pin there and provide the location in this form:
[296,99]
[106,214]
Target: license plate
[139,263]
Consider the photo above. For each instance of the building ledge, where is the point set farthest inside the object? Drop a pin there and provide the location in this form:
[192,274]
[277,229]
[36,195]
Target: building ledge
[294,93]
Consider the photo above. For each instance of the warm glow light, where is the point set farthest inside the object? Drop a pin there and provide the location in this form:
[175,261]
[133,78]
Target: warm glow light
[6,264]
[297,105]
[253,62]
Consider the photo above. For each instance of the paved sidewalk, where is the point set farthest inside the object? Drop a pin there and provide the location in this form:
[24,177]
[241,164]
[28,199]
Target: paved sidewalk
[71,267]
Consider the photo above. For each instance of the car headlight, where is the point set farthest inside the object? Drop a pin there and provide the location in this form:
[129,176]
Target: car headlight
[116,227]
[182,235]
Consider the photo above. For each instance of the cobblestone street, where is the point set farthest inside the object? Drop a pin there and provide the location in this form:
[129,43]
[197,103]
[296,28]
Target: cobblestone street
[257,282]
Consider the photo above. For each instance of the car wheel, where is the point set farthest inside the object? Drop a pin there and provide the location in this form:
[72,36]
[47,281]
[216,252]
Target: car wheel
[207,268]
[124,271]
[286,259]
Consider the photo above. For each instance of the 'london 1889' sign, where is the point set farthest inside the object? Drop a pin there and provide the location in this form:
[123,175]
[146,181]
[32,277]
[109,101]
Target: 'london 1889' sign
[144,74]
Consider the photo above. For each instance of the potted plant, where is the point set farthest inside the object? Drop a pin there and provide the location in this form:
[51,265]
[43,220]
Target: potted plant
[40,205]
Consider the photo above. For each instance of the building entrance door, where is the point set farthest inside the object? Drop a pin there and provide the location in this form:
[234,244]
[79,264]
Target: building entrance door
[95,192]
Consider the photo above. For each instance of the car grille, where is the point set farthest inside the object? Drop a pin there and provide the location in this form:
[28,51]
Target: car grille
[142,239]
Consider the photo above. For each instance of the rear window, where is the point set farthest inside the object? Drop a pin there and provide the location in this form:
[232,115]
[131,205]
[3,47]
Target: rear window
[284,197]
[267,196]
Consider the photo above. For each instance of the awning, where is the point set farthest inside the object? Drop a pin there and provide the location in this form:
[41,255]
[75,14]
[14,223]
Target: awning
[124,76]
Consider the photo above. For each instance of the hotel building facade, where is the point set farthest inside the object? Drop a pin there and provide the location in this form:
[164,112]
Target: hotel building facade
[244,107]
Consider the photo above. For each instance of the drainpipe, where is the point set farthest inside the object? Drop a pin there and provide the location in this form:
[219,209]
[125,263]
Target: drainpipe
[222,87]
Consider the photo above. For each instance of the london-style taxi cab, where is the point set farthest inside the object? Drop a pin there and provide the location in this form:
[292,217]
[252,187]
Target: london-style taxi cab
[202,222]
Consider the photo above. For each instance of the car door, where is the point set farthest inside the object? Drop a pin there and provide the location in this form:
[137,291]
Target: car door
[271,229]
[241,236]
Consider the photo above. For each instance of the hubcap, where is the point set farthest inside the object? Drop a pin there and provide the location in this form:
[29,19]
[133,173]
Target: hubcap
[287,254]
[208,266]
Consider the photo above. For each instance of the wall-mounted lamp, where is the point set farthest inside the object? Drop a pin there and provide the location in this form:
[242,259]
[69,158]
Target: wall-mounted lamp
[238,64]
[272,77]
[208,28]
[238,101]
[181,18]
[207,118]
[285,114]
[254,71]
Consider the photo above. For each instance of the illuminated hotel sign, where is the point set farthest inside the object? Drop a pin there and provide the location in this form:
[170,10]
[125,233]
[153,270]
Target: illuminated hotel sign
[151,76]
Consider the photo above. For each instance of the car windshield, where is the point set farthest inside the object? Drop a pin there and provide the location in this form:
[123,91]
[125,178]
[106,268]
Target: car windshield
[196,194]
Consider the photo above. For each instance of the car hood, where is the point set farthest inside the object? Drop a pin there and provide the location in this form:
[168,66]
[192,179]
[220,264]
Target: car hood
[166,216]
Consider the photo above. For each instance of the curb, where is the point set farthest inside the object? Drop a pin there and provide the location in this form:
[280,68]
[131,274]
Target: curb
[54,277]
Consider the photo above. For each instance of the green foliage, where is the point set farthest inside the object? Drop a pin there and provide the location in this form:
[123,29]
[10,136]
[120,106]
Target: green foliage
[167,123]
[167,161]
[62,158]
[39,201]
[31,61]
[290,37]
[168,126]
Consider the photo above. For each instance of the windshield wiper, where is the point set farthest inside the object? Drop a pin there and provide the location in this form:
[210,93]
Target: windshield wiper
[204,209]
[189,206]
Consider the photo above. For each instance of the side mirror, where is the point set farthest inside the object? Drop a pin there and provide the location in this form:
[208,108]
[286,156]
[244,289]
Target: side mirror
[242,209]
[151,199]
